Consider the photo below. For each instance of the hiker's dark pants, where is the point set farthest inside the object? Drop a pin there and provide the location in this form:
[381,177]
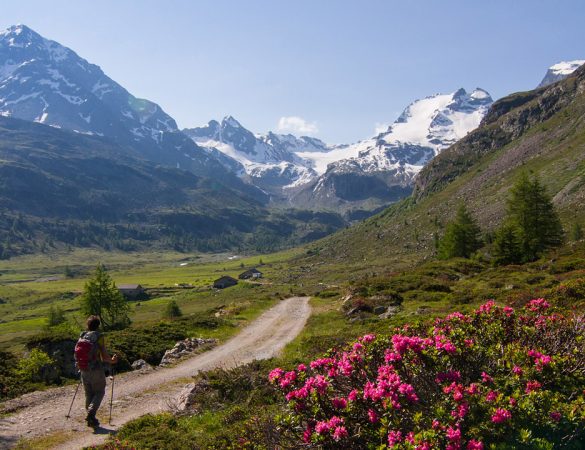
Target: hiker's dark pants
[94,385]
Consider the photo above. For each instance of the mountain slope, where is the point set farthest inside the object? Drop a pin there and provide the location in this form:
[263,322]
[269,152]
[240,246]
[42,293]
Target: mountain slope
[542,131]
[45,82]
[65,187]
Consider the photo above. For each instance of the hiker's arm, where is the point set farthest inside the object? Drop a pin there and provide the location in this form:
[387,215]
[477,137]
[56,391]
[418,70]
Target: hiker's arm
[106,356]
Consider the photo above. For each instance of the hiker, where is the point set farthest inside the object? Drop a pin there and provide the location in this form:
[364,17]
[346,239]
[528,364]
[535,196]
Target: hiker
[90,357]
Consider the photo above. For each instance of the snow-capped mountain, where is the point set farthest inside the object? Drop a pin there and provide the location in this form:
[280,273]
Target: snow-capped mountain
[388,162]
[559,71]
[43,81]
[308,172]
[269,161]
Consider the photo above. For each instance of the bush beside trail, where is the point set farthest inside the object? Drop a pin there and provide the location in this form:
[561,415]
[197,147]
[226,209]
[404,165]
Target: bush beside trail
[497,378]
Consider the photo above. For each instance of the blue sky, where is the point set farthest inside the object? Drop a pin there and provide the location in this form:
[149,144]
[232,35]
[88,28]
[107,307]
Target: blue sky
[341,66]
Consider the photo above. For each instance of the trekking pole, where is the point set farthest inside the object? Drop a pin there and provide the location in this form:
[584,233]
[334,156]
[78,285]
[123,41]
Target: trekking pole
[74,395]
[111,397]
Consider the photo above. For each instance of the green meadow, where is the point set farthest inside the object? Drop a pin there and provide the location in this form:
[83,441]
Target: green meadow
[30,285]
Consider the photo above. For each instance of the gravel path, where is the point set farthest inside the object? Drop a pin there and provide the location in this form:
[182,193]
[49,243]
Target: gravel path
[136,394]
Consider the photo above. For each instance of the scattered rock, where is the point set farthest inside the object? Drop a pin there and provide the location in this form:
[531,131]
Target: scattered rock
[379,310]
[184,348]
[141,364]
[391,311]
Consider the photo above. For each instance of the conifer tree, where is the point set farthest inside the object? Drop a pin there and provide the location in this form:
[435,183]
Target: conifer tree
[102,298]
[507,249]
[462,236]
[530,209]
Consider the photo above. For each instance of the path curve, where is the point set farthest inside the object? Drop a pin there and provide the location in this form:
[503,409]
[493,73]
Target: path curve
[138,394]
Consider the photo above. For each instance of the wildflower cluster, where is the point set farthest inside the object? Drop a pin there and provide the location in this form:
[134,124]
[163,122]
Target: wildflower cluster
[461,382]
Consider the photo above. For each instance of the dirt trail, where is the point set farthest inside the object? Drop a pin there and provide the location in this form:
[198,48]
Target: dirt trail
[137,394]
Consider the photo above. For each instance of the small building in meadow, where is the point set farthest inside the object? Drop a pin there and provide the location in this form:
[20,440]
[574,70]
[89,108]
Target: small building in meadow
[224,282]
[132,291]
[250,274]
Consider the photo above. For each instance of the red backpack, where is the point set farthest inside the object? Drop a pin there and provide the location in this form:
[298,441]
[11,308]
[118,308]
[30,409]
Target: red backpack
[86,350]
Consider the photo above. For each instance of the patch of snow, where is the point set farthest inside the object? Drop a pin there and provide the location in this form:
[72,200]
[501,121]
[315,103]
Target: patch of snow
[566,67]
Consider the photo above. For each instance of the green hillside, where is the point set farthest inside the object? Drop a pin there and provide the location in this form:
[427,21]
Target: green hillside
[541,131]
[60,188]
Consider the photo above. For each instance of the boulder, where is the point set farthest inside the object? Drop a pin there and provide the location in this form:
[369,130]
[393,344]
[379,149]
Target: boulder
[141,364]
[391,311]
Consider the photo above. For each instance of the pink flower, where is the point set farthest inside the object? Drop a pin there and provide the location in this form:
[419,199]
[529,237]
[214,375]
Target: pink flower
[555,416]
[486,378]
[512,401]
[352,396]
[307,434]
[335,422]
[451,375]
[472,389]
[410,438]
[368,338]
[339,433]
[453,434]
[321,384]
[275,374]
[532,386]
[436,424]
[474,445]
[301,368]
[357,347]
[339,403]
[394,437]
[372,416]
[501,415]
[287,379]
[487,307]
[508,310]
[491,396]
[538,305]
[424,446]
[517,370]
[322,427]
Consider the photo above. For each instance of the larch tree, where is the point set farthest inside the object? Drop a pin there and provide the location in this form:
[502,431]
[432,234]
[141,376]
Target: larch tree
[102,298]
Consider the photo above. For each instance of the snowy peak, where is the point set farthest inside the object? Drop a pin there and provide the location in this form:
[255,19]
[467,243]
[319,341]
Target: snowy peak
[439,120]
[560,71]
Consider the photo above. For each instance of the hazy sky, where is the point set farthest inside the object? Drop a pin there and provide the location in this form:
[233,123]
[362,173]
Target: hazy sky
[336,69]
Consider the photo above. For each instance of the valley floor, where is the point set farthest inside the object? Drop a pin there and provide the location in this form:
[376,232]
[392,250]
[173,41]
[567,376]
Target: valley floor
[43,413]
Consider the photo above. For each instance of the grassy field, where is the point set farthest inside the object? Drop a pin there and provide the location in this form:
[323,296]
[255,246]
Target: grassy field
[29,285]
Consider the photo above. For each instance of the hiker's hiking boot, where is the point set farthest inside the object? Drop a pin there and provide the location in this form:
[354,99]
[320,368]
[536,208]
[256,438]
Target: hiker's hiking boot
[92,421]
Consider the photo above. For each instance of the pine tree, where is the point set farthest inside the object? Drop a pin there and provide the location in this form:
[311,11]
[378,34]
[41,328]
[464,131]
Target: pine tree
[102,298]
[462,236]
[172,310]
[507,248]
[530,209]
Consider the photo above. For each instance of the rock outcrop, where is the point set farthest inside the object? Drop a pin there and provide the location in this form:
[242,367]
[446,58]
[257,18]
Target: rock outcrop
[184,348]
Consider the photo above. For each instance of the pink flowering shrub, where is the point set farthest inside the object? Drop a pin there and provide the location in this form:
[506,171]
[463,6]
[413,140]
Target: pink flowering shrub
[514,379]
